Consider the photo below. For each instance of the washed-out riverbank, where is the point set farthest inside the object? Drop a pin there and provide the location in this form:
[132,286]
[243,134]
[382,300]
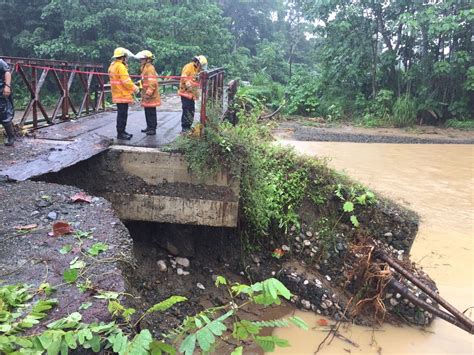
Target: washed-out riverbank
[436,182]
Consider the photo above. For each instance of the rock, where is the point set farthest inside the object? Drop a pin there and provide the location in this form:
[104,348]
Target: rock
[273,273]
[52,216]
[305,282]
[393,302]
[340,246]
[184,262]
[328,277]
[171,248]
[309,234]
[388,235]
[298,239]
[185,273]
[34,213]
[293,228]
[161,265]
[285,247]
[306,304]
[307,243]
[200,285]
[398,295]
[179,271]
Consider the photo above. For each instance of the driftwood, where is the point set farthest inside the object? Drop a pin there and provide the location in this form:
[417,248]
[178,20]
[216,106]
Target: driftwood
[454,316]
[267,117]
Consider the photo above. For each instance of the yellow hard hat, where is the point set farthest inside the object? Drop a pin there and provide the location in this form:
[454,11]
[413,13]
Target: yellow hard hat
[120,52]
[146,54]
[202,60]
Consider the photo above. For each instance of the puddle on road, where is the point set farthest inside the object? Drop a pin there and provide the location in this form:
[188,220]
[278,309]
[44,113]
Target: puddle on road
[436,181]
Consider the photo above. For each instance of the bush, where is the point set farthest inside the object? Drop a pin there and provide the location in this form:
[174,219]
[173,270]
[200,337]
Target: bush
[302,93]
[404,112]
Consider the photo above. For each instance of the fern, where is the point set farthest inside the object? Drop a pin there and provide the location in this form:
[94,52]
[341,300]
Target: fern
[166,304]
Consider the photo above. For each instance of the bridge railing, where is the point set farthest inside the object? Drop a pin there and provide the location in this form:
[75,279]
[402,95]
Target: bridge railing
[62,75]
[212,91]
[82,88]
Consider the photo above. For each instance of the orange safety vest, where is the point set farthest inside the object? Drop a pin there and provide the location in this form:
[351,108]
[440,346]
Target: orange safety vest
[190,71]
[121,84]
[150,89]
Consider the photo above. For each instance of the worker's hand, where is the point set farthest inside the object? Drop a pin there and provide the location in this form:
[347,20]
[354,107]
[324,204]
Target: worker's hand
[136,90]
[188,85]
[7,91]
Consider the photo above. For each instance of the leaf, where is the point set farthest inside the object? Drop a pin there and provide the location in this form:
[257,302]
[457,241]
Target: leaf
[71,340]
[220,280]
[348,206]
[61,228]
[81,197]
[166,304]
[300,323]
[361,199]
[65,249]
[205,338]
[97,248]
[237,351]
[268,343]
[160,347]
[188,345]
[71,321]
[78,264]
[70,275]
[82,234]
[26,228]
[119,342]
[322,322]
[355,221]
[46,288]
[85,305]
[107,295]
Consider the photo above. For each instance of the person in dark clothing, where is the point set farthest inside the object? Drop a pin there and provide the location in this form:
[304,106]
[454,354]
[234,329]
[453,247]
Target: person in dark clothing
[7,109]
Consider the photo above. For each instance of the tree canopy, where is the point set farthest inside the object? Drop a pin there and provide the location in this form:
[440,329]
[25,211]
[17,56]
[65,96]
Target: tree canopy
[355,59]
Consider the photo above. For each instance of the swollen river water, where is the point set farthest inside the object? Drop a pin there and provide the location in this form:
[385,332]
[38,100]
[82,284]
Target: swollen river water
[437,182]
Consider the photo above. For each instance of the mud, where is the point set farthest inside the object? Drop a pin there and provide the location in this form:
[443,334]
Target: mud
[102,174]
[310,130]
[33,257]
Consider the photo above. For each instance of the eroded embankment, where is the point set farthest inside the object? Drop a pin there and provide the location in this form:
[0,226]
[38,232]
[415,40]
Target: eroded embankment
[30,254]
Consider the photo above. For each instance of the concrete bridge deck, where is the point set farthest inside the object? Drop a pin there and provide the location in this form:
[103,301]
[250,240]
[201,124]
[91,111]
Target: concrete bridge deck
[141,182]
[51,148]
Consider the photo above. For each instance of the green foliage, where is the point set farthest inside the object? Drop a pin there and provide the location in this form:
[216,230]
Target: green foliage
[97,248]
[464,125]
[404,112]
[303,92]
[353,195]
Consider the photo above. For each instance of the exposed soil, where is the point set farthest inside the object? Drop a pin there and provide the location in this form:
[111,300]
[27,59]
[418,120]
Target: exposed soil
[102,174]
[32,256]
[307,129]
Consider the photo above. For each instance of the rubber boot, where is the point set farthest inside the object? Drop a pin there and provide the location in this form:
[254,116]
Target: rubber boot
[10,134]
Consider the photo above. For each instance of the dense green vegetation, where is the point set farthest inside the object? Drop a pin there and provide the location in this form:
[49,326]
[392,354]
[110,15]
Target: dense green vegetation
[392,62]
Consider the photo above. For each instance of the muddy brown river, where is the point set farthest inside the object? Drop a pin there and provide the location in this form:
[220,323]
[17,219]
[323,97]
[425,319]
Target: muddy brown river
[436,181]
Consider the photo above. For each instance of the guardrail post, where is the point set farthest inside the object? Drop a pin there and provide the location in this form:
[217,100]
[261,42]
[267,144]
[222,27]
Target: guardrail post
[35,97]
[204,96]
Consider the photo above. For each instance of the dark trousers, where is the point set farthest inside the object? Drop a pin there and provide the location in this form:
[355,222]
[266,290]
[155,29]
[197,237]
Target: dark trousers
[122,115]
[187,117]
[150,116]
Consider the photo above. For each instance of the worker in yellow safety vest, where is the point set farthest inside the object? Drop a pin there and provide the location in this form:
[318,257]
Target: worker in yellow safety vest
[189,89]
[150,91]
[122,88]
